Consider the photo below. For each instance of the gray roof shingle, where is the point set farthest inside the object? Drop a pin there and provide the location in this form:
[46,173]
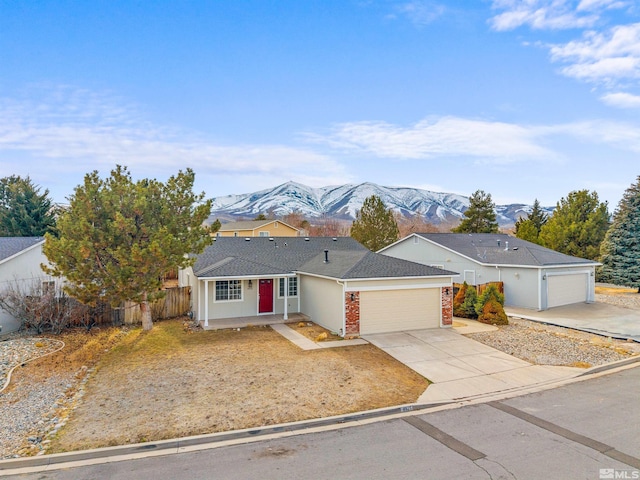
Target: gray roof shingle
[238,257]
[491,249]
[9,246]
[360,265]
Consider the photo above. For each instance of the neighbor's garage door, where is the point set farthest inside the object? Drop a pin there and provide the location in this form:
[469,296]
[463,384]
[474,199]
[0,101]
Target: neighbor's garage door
[396,310]
[566,289]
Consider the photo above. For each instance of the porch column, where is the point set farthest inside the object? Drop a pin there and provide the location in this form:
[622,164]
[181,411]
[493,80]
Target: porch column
[206,303]
[286,297]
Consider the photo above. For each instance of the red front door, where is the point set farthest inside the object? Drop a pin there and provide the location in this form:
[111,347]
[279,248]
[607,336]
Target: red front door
[265,303]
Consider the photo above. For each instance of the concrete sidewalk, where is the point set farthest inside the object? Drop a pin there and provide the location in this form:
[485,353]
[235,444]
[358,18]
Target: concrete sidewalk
[459,367]
[598,318]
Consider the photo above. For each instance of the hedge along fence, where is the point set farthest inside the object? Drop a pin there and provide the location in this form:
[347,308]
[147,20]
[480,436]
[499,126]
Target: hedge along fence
[480,288]
[176,302]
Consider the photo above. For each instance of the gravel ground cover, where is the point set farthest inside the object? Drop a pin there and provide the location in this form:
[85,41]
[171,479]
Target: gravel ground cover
[550,345]
[37,401]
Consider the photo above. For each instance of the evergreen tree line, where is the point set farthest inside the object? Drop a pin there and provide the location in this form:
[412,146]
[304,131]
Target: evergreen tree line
[580,225]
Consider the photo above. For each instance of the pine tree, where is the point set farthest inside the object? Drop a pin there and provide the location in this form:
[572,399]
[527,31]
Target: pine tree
[375,227]
[119,237]
[24,211]
[480,216]
[528,228]
[620,249]
[578,225]
[215,226]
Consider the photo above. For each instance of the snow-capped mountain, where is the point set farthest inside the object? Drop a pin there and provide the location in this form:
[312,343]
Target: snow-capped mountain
[343,201]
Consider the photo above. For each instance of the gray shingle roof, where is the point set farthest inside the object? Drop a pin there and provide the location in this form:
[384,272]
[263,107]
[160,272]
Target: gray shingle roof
[356,265]
[9,246]
[237,257]
[491,249]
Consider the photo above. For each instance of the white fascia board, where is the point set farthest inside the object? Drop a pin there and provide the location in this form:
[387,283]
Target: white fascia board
[559,265]
[397,278]
[396,287]
[22,251]
[572,272]
[249,277]
[375,279]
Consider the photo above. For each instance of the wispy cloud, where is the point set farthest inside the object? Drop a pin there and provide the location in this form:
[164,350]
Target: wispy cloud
[602,57]
[621,100]
[433,137]
[80,131]
[421,12]
[485,142]
[620,135]
[551,14]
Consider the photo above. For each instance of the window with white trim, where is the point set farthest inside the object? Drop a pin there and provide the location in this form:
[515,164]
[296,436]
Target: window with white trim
[293,287]
[228,290]
[264,234]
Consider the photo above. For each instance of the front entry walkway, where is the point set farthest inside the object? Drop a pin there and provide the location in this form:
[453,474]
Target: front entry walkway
[459,367]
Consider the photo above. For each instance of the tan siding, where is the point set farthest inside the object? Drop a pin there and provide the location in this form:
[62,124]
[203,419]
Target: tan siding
[322,299]
[398,310]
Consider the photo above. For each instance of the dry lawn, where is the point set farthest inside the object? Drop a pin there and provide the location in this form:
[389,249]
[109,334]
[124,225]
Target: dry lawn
[169,383]
[602,290]
[82,349]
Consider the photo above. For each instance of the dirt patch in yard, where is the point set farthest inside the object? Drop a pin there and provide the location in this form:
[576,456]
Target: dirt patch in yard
[314,332]
[169,383]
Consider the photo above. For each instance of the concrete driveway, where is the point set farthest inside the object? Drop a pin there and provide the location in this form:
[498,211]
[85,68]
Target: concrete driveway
[599,318]
[459,367]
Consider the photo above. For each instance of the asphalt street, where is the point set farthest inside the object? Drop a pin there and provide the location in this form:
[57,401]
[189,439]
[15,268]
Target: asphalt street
[589,429]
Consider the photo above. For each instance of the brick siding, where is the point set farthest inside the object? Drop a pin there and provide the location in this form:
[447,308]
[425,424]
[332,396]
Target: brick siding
[352,310]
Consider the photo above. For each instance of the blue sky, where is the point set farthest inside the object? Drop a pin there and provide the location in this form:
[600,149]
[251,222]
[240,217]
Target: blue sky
[523,99]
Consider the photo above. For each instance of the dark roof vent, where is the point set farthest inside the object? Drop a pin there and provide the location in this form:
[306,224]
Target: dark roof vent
[326,256]
[498,242]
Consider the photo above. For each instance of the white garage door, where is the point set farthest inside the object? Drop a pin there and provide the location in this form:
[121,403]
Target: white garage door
[566,289]
[397,310]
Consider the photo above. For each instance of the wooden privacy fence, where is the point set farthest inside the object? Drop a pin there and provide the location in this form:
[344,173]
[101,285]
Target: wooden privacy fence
[176,302]
[480,288]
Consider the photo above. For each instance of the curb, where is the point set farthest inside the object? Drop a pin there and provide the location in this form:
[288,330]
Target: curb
[215,438]
[610,366]
[168,447]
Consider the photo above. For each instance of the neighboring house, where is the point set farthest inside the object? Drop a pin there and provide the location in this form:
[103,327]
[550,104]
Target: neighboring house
[20,260]
[533,276]
[257,228]
[338,283]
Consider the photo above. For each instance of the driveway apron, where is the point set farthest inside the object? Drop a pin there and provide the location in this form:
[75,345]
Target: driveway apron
[459,367]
